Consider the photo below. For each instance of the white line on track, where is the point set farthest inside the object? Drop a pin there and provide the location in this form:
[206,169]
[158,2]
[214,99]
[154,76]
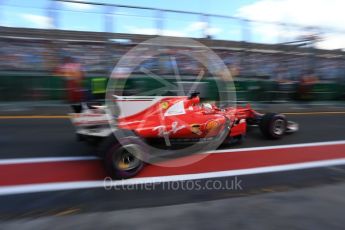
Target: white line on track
[45,159]
[313,144]
[48,187]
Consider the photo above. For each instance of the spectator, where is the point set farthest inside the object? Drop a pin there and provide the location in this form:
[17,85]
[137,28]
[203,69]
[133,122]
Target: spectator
[306,84]
[72,72]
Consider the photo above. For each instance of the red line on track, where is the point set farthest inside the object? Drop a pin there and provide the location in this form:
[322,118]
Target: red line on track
[46,172]
[66,171]
[248,159]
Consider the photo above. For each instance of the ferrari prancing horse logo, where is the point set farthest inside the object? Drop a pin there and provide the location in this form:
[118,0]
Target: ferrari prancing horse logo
[164,105]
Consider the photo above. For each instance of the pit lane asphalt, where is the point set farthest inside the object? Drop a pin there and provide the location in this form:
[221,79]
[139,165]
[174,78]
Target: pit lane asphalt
[25,138]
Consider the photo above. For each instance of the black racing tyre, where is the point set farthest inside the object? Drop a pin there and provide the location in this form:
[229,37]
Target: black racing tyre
[122,160]
[273,125]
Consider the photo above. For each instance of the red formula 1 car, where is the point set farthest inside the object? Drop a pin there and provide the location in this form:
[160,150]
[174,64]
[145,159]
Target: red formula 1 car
[167,122]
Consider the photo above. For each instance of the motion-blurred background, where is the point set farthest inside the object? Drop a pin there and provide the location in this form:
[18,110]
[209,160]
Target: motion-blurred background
[64,51]
[285,56]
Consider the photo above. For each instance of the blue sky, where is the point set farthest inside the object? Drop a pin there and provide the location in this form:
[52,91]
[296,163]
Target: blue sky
[316,13]
[19,13]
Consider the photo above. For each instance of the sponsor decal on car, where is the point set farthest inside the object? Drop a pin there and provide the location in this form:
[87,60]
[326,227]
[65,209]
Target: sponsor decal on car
[212,125]
[162,130]
[164,105]
[195,128]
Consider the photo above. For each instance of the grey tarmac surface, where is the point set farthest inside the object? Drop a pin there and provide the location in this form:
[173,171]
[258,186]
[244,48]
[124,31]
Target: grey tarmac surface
[307,208]
[22,138]
[26,138]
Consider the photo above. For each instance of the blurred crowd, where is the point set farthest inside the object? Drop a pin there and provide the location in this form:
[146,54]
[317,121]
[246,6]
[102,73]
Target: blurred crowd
[95,58]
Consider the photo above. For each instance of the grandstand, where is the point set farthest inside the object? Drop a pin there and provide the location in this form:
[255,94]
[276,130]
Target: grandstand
[262,72]
[42,50]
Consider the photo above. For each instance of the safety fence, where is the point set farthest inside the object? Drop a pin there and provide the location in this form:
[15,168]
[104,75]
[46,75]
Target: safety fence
[39,87]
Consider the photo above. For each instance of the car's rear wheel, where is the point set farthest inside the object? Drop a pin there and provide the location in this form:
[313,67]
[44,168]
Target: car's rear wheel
[273,125]
[122,160]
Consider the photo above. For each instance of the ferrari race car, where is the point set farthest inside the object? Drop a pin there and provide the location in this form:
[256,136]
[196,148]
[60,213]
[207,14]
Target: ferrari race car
[165,121]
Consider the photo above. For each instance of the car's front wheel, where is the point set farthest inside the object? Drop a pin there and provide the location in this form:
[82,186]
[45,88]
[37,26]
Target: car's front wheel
[273,125]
